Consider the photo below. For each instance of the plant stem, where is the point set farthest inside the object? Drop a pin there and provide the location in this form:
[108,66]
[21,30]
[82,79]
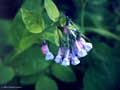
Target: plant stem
[82,15]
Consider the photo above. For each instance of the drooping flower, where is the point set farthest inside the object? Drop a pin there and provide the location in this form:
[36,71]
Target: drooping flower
[58,59]
[66,60]
[87,46]
[46,51]
[74,58]
[59,56]
[49,56]
[81,52]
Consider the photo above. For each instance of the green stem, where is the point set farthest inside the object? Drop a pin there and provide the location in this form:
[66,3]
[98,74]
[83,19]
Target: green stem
[82,15]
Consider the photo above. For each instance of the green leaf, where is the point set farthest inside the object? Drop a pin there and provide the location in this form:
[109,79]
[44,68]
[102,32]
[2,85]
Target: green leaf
[28,41]
[33,22]
[46,83]
[28,80]
[95,80]
[52,37]
[17,30]
[64,74]
[30,62]
[56,37]
[6,74]
[51,9]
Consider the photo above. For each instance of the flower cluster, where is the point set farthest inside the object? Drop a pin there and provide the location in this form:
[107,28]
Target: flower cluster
[74,48]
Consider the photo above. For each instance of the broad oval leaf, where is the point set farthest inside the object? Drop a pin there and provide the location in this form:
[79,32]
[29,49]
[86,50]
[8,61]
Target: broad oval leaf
[29,80]
[51,9]
[52,37]
[95,80]
[64,74]
[30,62]
[33,22]
[28,41]
[6,74]
[46,83]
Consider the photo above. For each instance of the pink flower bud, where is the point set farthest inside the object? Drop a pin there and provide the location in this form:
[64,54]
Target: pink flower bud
[65,29]
[44,49]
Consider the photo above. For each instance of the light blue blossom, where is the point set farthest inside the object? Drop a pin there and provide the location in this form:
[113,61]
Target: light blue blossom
[66,60]
[81,52]
[88,46]
[75,60]
[58,58]
[49,56]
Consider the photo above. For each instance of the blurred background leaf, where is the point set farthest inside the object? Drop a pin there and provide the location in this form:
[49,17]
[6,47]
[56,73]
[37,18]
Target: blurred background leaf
[30,62]
[64,74]
[6,74]
[45,82]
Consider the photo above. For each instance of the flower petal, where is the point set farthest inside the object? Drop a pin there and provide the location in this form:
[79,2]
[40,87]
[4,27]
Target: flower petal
[58,59]
[81,53]
[49,56]
[75,61]
[82,40]
[88,46]
[67,53]
[66,62]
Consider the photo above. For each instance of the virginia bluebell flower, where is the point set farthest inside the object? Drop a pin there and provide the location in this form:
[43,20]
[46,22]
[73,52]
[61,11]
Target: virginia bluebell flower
[66,60]
[45,50]
[74,58]
[59,56]
[87,46]
[81,52]
[49,56]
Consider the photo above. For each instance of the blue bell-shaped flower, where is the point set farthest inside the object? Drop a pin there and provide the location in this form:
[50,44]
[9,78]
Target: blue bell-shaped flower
[75,60]
[58,58]
[49,56]
[66,60]
[81,52]
[88,46]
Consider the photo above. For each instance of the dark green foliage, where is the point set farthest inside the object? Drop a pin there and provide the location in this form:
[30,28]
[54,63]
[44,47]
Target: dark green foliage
[64,74]
[45,83]
[6,74]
